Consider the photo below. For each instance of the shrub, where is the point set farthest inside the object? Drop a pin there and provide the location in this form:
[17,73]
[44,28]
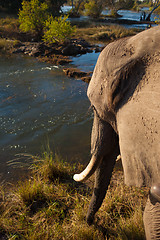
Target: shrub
[93,9]
[57,29]
[32,16]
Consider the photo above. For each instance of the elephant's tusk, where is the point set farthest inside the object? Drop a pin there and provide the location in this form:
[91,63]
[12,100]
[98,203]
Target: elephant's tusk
[118,158]
[155,191]
[89,170]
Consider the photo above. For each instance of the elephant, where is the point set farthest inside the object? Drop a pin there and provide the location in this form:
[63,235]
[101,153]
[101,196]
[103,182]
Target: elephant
[124,92]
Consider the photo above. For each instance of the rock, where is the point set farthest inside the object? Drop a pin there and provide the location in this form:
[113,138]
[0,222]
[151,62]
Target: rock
[71,47]
[71,50]
[89,50]
[82,42]
[34,52]
[75,47]
[20,50]
[59,54]
[63,61]
[55,59]
[97,49]
[86,79]
[76,73]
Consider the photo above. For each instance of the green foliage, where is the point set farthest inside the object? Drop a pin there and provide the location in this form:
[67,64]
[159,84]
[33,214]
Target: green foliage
[57,30]
[33,15]
[93,8]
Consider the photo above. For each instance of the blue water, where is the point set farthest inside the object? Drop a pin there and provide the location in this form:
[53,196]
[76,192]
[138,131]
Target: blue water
[39,104]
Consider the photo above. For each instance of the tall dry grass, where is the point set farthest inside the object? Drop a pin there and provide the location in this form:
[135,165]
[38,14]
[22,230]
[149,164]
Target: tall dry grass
[50,205]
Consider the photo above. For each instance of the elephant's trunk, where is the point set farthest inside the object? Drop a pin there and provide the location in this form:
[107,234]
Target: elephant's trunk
[89,170]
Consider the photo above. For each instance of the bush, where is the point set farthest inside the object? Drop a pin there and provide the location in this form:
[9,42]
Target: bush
[57,30]
[93,9]
[33,15]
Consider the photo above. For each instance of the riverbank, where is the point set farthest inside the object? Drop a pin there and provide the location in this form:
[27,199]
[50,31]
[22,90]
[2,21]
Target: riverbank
[50,205]
[84,41]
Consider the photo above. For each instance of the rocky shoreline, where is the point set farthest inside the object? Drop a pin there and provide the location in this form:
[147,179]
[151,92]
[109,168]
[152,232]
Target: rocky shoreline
[59,54]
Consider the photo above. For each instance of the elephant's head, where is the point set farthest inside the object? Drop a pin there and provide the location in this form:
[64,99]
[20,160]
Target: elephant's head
[125,100]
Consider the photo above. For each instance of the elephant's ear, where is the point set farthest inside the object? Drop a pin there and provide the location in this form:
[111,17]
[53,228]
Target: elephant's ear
[121,82]
[119,69]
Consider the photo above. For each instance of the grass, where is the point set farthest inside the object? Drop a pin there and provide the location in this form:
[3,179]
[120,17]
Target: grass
[50,205]
[105,33]
[9,23]
[7,27]
[6,44]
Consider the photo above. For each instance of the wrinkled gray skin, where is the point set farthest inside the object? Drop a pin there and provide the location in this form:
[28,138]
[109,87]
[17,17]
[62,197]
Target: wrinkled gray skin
[125,94]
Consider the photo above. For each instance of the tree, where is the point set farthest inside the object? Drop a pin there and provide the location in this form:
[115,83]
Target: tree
[94,8]
[115,5]
[78,5]
[155,6]
[32,16]
[57,30]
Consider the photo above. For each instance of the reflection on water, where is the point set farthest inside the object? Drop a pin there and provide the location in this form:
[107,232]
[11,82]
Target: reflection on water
[38,103]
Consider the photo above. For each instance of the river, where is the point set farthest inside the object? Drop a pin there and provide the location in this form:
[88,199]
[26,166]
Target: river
[39,105]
